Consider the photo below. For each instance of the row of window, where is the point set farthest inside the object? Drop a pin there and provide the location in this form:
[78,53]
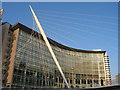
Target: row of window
[44,81]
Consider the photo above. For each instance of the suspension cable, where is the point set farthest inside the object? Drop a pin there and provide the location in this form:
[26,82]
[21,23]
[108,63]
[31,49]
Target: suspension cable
[71,27]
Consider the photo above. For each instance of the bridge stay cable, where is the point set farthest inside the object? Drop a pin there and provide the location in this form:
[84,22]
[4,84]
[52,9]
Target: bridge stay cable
[86,25]
[77,18]
[77,13]
[74,28]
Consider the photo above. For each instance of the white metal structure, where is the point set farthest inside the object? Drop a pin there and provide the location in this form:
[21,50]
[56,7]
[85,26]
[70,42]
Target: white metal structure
[48,45]
[1,12]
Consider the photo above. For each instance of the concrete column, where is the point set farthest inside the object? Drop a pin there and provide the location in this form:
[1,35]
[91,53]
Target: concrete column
[99,82]
[87,83]
[92,82]
[80,83]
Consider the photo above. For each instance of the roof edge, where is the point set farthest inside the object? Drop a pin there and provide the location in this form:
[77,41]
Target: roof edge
[54,43]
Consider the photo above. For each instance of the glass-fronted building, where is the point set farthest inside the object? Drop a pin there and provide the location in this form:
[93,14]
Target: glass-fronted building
[31,64]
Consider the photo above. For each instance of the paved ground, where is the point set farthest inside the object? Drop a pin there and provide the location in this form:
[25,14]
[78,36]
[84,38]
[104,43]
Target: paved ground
[116,87]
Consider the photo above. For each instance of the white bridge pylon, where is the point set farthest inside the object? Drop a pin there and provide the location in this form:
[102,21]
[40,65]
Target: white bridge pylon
[48,45]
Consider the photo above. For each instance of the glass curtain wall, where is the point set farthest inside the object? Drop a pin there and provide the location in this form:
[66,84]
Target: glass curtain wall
[34,66]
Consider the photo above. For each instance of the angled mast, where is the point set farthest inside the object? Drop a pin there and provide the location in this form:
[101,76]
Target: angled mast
[48,45]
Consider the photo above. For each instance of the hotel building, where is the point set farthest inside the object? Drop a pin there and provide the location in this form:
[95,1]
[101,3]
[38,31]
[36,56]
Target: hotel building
[27,62]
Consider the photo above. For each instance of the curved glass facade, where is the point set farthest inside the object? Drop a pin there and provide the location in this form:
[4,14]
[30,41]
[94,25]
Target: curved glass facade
[34,66]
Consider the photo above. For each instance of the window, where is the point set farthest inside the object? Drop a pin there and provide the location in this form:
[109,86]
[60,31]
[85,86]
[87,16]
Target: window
[77,81]
[102,83]
[60,80]
[70,81]
[56,80]
[88,81]
[83,81]
[96,81]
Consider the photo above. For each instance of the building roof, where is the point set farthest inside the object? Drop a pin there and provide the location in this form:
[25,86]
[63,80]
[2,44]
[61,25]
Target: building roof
[29,30]
[4,23]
